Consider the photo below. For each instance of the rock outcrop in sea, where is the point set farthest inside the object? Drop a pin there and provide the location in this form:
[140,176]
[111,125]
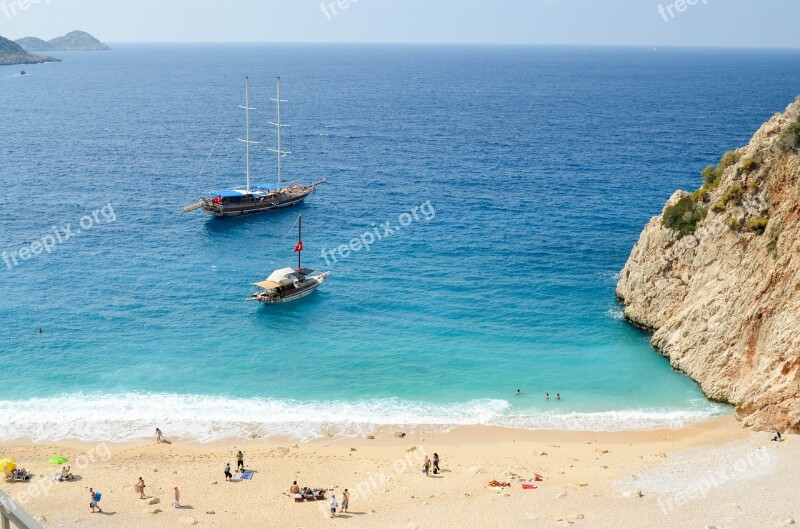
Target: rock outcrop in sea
[716,278]
[72,41]
[12,53]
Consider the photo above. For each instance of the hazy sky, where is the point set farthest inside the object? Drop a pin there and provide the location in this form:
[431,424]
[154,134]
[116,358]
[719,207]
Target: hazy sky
[772,23]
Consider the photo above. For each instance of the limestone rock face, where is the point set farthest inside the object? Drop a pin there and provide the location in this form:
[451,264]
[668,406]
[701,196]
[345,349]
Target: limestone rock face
[724,302]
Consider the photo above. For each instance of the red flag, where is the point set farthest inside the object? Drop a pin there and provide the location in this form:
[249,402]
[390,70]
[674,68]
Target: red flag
[299,246]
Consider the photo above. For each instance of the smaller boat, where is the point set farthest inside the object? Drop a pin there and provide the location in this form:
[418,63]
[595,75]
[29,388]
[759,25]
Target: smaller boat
[23,72]
[287,284]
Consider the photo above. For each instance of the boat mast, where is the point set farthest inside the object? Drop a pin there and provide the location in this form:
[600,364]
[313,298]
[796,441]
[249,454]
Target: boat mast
[246,140]
[279,126]
[299,239]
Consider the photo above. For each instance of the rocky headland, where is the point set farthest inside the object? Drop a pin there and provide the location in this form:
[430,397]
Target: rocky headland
[716,278]
[13,53]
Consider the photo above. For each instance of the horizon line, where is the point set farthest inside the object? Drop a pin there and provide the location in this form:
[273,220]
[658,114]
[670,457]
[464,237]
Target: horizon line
[422,43]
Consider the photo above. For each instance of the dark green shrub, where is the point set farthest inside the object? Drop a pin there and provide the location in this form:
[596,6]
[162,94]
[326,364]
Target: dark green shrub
[734,224]
[749,164]
[790,137]
[712,175]
[758,224]
[684,216]
[709,175]
[732,194]
[728,159]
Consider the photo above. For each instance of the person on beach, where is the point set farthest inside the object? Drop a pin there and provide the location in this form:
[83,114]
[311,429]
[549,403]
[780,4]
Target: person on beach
[546,396]
[159,436]
[426,466]
[139,487]
[294,489]
[94,500]
[176,502]
[228,475]
[240,461]
[345,500]
[66,474]
[334,505]
[777,437]
[436,463]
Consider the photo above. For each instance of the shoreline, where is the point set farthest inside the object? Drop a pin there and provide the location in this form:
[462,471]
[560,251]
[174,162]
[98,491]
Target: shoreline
[384,436]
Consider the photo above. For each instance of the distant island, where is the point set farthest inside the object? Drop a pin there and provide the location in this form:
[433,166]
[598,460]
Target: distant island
[72,41]
[13,53]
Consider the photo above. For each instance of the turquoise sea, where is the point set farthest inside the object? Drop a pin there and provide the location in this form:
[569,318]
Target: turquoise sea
[533,171]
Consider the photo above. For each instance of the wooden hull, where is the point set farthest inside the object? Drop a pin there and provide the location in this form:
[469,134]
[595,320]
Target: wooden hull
[237,210]
[290,297]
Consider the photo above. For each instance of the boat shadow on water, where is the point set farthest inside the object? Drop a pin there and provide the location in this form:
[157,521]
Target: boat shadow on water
[277,313]
[278,218]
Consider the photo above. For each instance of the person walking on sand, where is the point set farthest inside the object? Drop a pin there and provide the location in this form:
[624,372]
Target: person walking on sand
[240,461]
[228,475]
[94,500]
[345,500]
[436,463]
[176,502]
[334,505]
[159,436]
[139,487]
[426,466]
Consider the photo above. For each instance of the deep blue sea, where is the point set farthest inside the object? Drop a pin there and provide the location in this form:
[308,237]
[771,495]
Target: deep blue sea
[535,167]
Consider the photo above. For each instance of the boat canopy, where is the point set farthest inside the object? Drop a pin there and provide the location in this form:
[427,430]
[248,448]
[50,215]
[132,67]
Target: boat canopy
[267,285]
[239,192]
[278,275]
[277,278]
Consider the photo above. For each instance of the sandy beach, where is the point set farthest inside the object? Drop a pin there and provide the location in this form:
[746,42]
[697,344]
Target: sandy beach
[709,474]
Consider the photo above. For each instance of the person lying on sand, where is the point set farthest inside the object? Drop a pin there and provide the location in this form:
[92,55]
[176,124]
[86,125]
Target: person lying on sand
[777,437]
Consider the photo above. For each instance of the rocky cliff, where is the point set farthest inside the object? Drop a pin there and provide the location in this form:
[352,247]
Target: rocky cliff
[12,53]
[716,278]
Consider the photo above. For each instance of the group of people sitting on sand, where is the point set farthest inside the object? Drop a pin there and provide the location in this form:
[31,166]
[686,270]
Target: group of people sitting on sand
[19,474]
[306,493]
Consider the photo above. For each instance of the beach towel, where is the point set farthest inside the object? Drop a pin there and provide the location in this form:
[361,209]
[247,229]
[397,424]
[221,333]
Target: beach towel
[528,486]
[248,474]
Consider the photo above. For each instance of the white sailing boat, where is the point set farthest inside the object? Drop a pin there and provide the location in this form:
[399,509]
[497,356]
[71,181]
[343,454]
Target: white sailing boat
[287,284]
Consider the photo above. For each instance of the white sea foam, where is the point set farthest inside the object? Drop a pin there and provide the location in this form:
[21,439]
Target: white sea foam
[615,313]
[95,417]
